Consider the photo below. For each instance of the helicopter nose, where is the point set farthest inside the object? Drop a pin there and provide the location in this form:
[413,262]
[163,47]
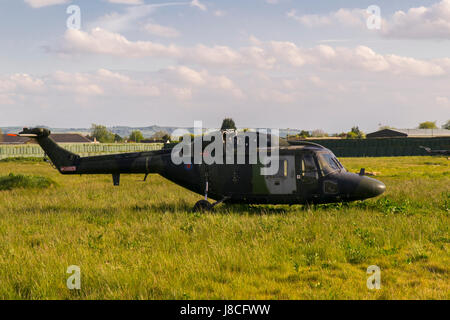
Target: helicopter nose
[369,188]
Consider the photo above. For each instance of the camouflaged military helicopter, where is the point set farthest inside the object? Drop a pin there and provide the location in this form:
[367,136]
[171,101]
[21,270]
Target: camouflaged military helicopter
[308,173]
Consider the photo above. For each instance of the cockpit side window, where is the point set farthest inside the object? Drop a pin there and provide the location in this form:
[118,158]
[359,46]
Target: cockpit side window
[282,169]
[308,170]
[328,163]
[310,165]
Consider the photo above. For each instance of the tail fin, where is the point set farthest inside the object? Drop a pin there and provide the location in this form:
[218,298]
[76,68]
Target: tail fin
[60,157]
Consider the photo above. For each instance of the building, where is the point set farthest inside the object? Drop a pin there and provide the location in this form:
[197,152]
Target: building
[58,137]
[409,133]
[70,138]
[7,139]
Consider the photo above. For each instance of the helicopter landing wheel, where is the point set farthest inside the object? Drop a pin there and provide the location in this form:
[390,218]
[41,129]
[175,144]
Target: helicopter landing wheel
[202,206]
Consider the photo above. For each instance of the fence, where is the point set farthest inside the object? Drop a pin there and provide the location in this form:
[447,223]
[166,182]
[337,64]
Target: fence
[383,147]
[89,149]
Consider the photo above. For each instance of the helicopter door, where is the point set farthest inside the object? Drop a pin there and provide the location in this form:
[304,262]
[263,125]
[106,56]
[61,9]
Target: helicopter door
[284,181]
[308,176]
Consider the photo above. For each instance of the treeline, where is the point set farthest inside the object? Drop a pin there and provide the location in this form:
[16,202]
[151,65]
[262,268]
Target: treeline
[101,134]
[356,133]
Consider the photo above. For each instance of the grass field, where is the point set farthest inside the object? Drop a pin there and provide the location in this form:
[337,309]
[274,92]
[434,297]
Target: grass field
[141,241]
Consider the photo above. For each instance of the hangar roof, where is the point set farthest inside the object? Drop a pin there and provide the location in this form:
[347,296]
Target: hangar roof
[412,133]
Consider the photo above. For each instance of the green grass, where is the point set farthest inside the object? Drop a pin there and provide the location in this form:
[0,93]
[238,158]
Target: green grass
[22,159]
[141,241]
[20,181]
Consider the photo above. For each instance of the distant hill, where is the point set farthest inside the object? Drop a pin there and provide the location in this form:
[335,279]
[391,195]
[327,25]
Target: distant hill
[125,131]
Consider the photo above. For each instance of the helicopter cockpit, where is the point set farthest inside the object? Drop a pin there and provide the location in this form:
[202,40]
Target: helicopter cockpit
[328,163]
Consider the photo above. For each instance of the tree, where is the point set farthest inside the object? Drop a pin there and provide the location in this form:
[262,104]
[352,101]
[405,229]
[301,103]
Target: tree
[1,135]
[228,124]
[428,125]
[304,134]
[161,135]
[136,136]
[351,135]
[166,138]
[355,133]
[446,125]
[319,133]
[101,133]
[117,138]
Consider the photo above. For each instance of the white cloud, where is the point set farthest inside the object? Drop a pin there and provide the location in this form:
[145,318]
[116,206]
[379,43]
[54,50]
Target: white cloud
[264,55]
[21,81]
[216,55]
[413,66]
[257,56]
[77,83]
[203,93]
[189,76]
[44,3]
[108,75]
[161,31]
[351,17]
[343,17]
[91,84]
[360,58]
[184,82]
[117,22]
[311,20]
[219,13]
[129,2]
[416,23]
[104,42]
[26,82]
[103,82]
[198,4]
[101,41]
[288,52]
[421,22]
[15,87]
[130,18]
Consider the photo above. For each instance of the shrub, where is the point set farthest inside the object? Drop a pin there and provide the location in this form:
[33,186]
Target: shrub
[13,181]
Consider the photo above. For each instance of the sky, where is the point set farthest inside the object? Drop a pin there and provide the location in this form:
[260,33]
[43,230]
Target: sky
[309,65]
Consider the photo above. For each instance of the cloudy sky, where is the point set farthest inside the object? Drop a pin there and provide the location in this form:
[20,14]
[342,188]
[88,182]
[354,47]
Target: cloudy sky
[266,63]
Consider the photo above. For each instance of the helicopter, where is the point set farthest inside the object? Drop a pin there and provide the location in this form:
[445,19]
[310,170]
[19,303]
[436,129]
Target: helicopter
[307,173]
[436,152]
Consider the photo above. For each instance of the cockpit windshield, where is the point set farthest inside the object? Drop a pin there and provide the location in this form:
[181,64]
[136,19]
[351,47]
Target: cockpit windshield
[328,163]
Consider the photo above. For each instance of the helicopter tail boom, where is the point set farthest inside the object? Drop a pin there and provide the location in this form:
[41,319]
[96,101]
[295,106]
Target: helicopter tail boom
[69,163]
[61,158]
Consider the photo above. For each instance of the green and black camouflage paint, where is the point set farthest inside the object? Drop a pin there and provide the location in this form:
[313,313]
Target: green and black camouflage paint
[296,183]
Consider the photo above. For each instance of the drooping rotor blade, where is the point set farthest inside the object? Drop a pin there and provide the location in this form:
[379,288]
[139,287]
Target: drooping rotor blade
[31,135]
[21,135]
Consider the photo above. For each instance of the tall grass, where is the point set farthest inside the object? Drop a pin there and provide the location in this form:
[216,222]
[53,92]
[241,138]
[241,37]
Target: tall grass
[14,181]
[141,240]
